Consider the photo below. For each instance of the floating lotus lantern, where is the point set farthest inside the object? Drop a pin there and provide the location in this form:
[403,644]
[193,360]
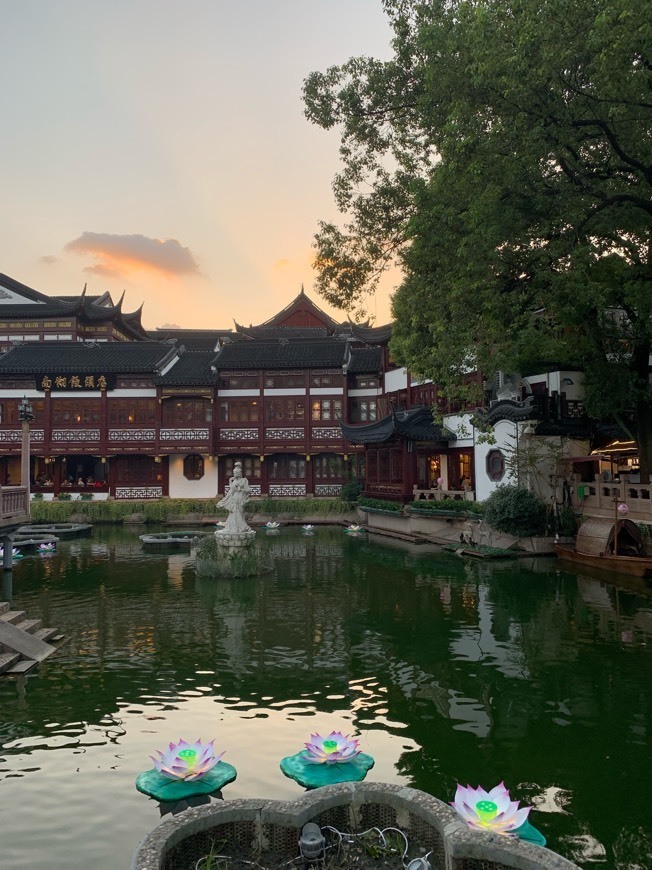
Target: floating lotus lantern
[220,524]
[272,525]
[353,528]
[308,528]
[48,547]
[494,812]
[15,553]
[327,760]
[185,769]
[334,749]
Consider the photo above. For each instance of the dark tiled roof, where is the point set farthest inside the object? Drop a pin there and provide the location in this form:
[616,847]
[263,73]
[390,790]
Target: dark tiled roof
[192,367]
[22,289]
[416,425]
[301,303]
[73,357]
[365,360]
[372,334]
[320,353]
[508,409]
[271,332]
[195,339]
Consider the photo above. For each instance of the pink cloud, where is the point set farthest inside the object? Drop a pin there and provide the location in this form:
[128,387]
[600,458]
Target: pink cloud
[123,254]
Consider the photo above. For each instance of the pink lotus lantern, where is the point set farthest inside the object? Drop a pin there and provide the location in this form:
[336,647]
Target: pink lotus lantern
[334,749]
[440,482]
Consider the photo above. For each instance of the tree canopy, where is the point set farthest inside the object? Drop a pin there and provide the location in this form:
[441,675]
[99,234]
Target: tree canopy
[504,155]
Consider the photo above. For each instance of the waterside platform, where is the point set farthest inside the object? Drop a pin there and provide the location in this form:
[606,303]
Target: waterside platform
[24,642]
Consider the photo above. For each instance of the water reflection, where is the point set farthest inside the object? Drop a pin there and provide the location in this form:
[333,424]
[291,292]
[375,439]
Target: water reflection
[448,671]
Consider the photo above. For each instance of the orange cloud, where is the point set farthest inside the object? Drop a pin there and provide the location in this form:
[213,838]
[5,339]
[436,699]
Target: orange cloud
[117,255]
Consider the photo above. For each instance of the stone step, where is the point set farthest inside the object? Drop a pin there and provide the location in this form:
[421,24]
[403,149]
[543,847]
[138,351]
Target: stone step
[4,606]
[22,667]
[29,625]
[47,634]
[8,660]
[13,616]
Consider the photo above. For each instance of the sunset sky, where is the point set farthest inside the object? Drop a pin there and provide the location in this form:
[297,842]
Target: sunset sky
[160,147]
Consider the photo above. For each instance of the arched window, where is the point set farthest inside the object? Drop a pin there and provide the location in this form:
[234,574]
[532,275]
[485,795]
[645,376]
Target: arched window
[193,467]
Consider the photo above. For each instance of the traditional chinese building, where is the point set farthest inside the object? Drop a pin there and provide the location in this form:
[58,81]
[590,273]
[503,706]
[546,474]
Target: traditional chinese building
[131,414]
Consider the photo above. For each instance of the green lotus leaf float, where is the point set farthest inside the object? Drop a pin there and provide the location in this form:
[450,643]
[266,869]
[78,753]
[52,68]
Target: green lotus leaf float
[327,760]
[184,770]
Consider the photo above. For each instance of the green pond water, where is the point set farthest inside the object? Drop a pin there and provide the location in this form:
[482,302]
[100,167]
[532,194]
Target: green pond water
[448,671]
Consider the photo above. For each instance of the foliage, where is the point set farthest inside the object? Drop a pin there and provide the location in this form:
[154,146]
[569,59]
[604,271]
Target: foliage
[351,492]
[37,496]
[566,522]
[64,496]
[449,504]
[294,507]
[162,510]
[515,511]
[380,504]
[504,151]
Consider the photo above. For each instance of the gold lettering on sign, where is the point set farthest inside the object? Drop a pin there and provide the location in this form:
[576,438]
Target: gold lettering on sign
[101,382]
[89,381]
[60,382]
[46,383]
[75,382]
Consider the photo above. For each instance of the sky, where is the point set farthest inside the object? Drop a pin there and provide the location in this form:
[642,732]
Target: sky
[160,147]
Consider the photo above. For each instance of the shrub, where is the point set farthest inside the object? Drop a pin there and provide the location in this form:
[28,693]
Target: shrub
[380,504]
[351,492]
[567,522]
[515,511]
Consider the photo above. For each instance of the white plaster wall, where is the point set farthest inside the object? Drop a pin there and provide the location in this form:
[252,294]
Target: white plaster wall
[395,380]
[460,424]
[179,487]
[504,436]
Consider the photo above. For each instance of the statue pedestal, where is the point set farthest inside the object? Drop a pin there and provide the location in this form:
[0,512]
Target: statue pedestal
[234,543]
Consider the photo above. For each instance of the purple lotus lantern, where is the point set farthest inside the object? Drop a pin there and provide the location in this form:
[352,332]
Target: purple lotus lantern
[48,547]
[334,749]
[185,769]
[327,760]
[187,761]
[494,812]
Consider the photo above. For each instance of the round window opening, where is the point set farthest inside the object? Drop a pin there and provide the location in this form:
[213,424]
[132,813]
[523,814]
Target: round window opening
[193,467]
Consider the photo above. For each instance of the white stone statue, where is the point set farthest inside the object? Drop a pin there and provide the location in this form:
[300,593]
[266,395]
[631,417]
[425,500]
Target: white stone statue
[234,501]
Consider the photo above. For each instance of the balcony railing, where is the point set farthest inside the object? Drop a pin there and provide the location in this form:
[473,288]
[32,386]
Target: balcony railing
[599,498]
[14,504]
[440,494]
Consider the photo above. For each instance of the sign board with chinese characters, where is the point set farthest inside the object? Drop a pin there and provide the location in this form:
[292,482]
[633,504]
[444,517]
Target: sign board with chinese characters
[54,382]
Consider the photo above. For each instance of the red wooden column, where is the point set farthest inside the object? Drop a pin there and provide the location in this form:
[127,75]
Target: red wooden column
[409,469]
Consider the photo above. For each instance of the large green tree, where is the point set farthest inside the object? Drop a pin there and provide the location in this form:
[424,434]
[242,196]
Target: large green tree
[504,155]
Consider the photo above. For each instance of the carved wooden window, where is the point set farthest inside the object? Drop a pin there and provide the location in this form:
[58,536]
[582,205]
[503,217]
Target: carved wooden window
[75,412]
[281,410]
[132,412]
[239,411]
[364,410]
[250,466]
[328,466]
[286,467]
[326,410]
[187,412]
